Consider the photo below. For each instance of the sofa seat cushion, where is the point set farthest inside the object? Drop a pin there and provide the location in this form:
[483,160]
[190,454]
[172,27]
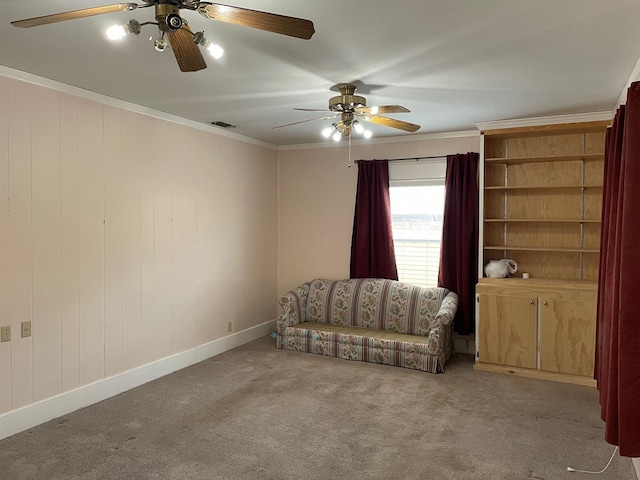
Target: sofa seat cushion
[366,344]
[368,332]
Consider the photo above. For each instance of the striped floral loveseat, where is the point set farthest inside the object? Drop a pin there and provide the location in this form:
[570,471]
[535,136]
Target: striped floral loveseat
[373,320]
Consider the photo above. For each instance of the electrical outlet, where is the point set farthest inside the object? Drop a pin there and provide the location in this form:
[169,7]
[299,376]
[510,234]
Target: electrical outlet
[230,327]
[25,329]
[5,334]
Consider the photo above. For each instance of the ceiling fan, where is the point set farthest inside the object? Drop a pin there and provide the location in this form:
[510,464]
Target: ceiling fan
[183,41]
[350,109]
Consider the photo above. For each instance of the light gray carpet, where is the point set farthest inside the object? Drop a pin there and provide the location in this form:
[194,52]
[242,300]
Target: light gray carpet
[261,413]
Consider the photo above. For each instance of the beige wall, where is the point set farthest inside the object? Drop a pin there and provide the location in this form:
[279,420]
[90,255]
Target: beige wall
[123,238]
[317,199]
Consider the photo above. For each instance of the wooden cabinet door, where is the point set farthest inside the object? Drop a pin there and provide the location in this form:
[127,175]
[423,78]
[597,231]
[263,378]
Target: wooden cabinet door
[508,330]
[567,336]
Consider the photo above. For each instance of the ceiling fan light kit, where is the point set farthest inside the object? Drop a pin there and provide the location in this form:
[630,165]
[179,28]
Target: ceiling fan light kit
[169,21]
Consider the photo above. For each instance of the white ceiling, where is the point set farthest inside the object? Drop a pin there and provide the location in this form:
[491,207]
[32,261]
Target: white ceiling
[451,62]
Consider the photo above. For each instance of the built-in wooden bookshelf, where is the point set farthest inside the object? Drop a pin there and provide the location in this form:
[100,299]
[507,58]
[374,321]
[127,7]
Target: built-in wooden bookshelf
[542,198]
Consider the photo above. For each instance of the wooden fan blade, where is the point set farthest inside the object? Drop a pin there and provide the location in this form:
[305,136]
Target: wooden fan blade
[312,109]
[85,12]
[294,27]
[381,109]
[308,120]
[392,122]
[187,53]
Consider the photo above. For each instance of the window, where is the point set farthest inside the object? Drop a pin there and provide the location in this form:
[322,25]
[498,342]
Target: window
[417,206]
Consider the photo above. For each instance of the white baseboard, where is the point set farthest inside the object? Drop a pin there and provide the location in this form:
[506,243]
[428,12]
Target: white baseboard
[29,416]
[636,465]
[463,344]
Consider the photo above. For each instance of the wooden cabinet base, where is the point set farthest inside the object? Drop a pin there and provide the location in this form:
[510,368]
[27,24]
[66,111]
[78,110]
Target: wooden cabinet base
[539,374]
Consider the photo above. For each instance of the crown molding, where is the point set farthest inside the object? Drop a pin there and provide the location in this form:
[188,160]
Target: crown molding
[132,107]
[549,120]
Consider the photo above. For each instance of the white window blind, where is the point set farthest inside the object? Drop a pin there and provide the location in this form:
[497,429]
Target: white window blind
[417,207]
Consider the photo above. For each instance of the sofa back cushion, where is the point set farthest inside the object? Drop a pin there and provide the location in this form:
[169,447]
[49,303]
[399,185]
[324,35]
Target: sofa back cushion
[374,303]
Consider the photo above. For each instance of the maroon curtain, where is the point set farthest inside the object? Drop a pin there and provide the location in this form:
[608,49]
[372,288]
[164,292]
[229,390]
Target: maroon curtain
[617,368]
[372,254]
[459,250]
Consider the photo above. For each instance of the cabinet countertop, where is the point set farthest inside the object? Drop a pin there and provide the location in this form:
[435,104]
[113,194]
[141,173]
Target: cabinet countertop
[550,284]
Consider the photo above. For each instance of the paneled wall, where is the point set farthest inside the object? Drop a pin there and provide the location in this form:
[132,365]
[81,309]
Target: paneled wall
[124,239]
[317,195]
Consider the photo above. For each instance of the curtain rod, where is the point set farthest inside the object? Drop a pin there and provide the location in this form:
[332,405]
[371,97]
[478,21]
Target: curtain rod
[404,159]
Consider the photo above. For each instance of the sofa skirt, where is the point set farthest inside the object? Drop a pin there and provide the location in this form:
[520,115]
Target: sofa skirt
[364,344]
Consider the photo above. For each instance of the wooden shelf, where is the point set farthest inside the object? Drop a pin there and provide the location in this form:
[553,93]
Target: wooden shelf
[538,220]
[552,284]
[541,249]
[552,129]
[554,158]
[541,187]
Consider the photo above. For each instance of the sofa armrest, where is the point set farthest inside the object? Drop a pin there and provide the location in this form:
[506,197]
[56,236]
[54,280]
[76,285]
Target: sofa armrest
[438,339]
[293,305]
[447,310]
